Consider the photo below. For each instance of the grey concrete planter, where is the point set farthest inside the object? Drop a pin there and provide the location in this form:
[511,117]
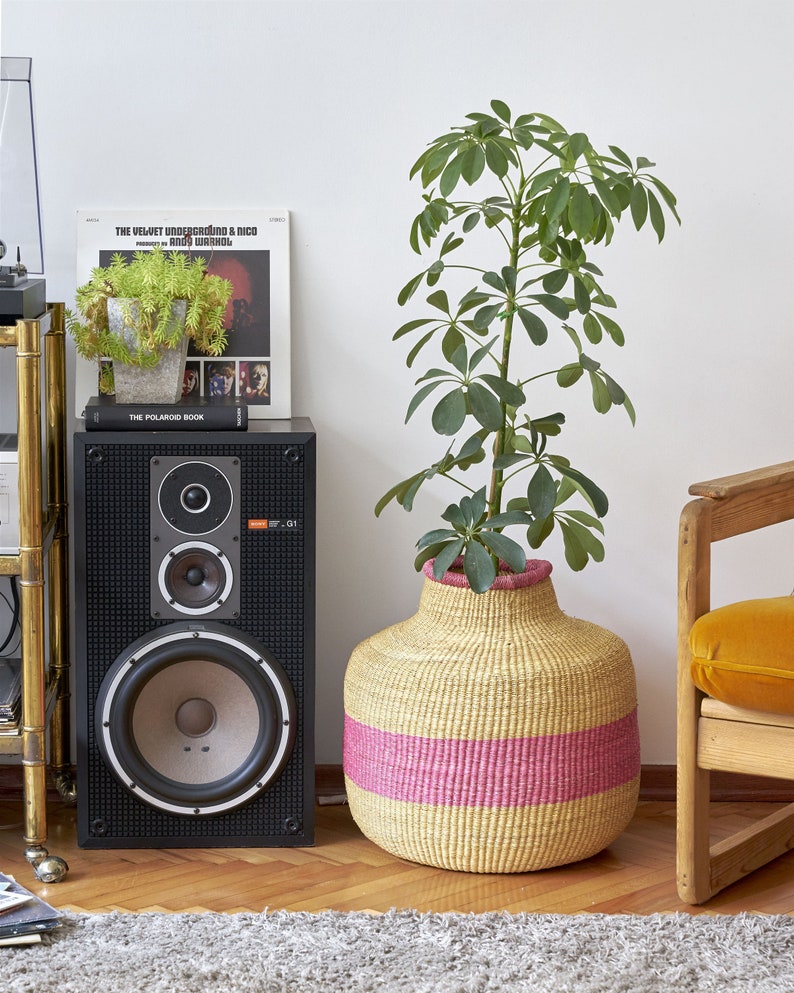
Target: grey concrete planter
[163,382]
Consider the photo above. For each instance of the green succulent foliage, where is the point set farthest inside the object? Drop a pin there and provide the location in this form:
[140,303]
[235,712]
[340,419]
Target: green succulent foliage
[549,197]
[153,280]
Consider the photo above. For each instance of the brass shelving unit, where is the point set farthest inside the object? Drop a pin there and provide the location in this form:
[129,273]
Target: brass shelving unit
[42,562]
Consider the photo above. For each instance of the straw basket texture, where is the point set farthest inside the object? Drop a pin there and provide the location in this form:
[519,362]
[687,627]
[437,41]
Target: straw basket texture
[491,732]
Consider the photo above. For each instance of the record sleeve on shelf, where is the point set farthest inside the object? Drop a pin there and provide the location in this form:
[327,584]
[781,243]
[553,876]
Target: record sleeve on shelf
[250,248]
[10,691]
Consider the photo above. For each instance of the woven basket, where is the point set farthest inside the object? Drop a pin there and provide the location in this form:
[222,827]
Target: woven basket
[491,732]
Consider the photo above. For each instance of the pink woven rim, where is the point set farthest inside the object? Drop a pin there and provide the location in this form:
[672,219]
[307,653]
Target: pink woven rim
[536,570]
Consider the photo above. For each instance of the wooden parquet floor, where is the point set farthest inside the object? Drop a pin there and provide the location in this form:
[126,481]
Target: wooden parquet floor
[346,872]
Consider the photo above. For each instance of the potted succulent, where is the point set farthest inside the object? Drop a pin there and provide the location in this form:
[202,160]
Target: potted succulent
[491,731]
[142,314]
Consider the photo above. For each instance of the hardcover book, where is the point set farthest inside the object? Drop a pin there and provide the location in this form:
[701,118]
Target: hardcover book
[190,414]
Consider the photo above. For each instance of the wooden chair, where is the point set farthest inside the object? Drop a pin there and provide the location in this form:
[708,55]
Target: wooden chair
[717,729]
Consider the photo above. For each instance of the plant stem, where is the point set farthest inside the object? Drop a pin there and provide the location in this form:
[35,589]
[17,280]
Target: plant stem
[497,475]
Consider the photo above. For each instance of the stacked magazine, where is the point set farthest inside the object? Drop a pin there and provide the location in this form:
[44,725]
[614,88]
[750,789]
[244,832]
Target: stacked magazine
[23,916]
[10,694]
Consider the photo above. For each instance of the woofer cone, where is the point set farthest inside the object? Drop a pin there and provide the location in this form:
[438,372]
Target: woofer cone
[195,578]
[195,720]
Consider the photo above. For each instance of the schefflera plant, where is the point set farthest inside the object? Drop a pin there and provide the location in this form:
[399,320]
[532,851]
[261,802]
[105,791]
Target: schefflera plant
[545,196]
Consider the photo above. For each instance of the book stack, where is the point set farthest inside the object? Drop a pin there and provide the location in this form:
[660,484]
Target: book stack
[10,694]
[23,916]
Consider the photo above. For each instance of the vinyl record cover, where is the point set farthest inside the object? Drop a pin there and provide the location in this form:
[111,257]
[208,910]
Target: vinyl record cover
[248,247]
[30,917]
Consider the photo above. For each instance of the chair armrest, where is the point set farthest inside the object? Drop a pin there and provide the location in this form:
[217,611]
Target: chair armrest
[771,476]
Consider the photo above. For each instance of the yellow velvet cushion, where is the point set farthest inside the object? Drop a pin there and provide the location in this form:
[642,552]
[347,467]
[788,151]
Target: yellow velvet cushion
[743,654]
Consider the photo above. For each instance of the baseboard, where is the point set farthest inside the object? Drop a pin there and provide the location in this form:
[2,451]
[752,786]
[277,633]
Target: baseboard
[657,782]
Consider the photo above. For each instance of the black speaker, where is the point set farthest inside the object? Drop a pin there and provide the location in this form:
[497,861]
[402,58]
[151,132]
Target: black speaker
[194,600]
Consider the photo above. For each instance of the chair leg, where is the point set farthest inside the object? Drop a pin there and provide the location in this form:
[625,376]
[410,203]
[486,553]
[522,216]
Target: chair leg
[693,861]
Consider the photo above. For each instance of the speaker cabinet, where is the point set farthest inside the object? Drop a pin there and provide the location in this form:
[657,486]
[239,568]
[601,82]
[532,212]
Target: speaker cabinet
[194,596]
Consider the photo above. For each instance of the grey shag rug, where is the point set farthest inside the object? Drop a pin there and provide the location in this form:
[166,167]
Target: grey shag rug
[405,952]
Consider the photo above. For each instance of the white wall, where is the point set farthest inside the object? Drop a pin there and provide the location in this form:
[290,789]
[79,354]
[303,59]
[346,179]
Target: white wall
[321,107]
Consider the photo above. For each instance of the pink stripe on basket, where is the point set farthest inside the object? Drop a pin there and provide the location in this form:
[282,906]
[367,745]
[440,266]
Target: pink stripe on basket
[517,772]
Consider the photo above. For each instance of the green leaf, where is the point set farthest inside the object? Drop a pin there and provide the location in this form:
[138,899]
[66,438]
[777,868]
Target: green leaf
[419,397]
[533,325]
[496,159]
[583,540]
[569,374]
[557,198]
[481,353]
[611,327]
[581,296]
[494,280]
[580,211]
[478,567]
[397,493]
[450,176]
[639,205]
[657,216]
[509,275]
[411,326]
[616,394]
[554,281]
[439,300]
[594,494]
[471,221]
[553,304]
[450,413]
[620,155]
[539,531]
[451,242]
[505,548]
[446,557]
[578,143]
[473,164]
[575,553]
[451,341]
[409,289]
[485,407]
[541,492]
[507,518]
[409,360]
[427,553]
[592,329]
[543,180]
[607,197]
[628,406]
[501,110]
[460,359]
[587,519]
[507,461]
[471,448]
[667,196]
[508,392]
[485,315]
[601,398]
[478,503]
[436,536]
